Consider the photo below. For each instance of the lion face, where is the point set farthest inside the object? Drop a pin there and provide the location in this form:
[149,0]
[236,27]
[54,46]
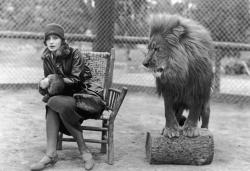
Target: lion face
[166,61]
[175,47]
[156,57]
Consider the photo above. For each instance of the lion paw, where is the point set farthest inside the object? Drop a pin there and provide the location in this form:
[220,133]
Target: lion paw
[170,132]
[190,131]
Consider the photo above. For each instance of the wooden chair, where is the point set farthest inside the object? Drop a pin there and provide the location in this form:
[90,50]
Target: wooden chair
[101,65]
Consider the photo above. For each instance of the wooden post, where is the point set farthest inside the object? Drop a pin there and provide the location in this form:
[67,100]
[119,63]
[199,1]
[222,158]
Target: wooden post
[104,23]
[182,150]
[104,137]
[111,143]
[217,71]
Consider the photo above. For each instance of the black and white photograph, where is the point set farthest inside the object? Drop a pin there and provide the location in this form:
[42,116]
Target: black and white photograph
[125,85]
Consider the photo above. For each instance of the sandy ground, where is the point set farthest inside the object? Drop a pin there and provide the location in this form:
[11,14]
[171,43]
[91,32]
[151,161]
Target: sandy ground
[22,135]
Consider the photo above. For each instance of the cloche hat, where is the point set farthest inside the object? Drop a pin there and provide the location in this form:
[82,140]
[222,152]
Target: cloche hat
[53,28]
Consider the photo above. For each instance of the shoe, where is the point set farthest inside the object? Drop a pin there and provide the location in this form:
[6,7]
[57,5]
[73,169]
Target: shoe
[44,162]
[88,161]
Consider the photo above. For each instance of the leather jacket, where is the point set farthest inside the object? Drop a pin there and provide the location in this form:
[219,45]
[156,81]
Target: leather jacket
[70,65]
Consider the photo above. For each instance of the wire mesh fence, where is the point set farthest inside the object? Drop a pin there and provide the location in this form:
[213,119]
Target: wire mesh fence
[22,23]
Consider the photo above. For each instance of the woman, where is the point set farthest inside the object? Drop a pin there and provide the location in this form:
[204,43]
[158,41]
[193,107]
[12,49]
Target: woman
[59,58]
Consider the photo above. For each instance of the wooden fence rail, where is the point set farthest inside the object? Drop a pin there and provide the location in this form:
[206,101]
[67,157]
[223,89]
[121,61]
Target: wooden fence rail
[118,39]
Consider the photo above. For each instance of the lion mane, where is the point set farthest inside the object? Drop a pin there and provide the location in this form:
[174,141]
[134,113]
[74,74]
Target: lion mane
[188,52]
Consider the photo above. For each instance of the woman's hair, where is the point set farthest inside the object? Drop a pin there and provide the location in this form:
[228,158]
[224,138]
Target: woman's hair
[64,50]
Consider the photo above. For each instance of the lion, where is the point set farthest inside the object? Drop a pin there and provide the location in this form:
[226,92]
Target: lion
[179,53]
[53,84]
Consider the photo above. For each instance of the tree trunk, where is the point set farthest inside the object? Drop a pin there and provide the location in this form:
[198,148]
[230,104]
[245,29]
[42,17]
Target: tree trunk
[182,150]
[104,22]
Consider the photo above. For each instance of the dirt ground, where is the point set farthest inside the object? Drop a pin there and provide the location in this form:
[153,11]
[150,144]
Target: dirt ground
[22,135]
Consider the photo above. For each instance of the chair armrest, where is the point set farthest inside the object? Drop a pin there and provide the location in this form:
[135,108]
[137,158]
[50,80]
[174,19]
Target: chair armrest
[114,102]
[118,102]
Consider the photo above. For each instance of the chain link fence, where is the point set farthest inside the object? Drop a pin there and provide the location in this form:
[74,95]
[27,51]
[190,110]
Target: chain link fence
[86,21]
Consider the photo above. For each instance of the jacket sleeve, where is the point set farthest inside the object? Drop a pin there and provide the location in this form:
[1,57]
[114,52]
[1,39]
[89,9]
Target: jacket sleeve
[46,73]
[76,72]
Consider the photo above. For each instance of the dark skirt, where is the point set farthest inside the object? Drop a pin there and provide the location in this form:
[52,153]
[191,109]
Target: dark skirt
[66,109]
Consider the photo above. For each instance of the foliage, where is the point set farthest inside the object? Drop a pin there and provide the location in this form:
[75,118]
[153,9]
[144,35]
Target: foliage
[131,18]
[27,15]
[227,20]
[131,15]
[236,67]
[166,6]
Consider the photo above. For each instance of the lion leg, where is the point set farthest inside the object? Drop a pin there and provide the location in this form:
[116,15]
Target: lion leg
[171,127]
[205,114]
[190,128]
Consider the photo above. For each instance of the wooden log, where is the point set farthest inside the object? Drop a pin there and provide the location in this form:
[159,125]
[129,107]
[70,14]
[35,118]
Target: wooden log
[180,150]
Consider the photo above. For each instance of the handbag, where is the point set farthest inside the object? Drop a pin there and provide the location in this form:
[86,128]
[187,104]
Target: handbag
[90,101]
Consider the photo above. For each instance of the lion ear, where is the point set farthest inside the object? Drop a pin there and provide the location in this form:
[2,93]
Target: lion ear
[178,31]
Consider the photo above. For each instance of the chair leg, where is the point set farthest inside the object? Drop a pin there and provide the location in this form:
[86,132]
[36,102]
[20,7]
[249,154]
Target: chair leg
[104,137]
[111,144]
[59,141]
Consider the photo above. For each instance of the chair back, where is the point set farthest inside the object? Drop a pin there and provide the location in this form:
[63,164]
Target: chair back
[101,65]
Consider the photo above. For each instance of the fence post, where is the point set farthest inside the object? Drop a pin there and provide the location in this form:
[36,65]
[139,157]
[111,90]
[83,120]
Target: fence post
[217,71]
[104,23]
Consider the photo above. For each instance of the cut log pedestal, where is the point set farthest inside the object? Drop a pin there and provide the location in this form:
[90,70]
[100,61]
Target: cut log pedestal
[180,150]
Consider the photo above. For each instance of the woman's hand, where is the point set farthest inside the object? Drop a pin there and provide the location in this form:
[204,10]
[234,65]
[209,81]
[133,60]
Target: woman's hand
[44,83]
[67,81]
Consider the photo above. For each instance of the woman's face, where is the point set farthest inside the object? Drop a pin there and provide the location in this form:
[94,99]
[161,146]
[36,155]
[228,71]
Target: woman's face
[53,42]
